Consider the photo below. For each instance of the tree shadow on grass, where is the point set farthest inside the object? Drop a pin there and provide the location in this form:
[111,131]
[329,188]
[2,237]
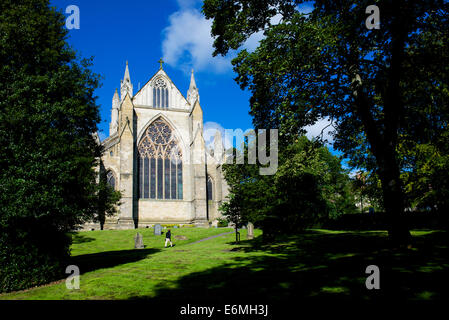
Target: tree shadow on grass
[324,266]
[109,259]
[78,238]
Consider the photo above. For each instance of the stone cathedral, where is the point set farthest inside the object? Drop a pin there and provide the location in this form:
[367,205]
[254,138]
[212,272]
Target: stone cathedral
[157,157]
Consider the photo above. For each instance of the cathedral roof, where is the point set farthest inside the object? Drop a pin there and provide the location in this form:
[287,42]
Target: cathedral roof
[140,98]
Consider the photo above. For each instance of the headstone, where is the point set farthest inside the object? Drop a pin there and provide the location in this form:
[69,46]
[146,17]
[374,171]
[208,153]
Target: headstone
[180,237]
[157,229]
[250,231]
[138,241]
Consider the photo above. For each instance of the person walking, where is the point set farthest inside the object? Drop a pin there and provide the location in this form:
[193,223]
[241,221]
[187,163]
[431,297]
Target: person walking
[168,238]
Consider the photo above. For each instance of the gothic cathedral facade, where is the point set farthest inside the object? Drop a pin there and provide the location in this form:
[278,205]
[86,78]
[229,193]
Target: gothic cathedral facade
[156,156]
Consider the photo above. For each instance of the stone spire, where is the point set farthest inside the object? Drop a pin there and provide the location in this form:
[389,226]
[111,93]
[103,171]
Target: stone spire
[192,93]
[115,100]
[114,114]
[126,85]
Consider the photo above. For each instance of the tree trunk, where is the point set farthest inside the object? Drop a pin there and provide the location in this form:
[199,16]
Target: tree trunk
[102,220]
[383,142]
[394,201]
[237,234]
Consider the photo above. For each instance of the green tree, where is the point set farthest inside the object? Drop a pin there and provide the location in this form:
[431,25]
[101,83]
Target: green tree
[309,187]
[375,85]
[108,199]
[366,187]
[233,211]
[48,117]
[427,181]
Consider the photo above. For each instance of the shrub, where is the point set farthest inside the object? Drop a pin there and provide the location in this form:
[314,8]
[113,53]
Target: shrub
[170,225]
[222,222]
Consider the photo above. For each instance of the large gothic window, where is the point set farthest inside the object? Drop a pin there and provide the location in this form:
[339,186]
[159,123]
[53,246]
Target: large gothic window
[160,94]
[160,163]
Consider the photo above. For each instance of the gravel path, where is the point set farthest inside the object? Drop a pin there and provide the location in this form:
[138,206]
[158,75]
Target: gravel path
[211,237]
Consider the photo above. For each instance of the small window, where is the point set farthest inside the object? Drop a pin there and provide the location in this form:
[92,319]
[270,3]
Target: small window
[110,178]
[160,94]
[210,187]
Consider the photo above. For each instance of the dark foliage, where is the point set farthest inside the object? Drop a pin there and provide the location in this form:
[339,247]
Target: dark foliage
[48,117]
[385,90]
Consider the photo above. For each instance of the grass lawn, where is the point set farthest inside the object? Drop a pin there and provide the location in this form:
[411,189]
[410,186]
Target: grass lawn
[316,264]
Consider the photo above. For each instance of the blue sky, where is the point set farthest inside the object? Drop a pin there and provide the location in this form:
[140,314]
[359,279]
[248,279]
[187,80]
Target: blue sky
[144,31]
[141,32]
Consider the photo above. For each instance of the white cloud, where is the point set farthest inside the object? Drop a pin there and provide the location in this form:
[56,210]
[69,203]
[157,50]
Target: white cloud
[188,43]
[253,41]
[315,130]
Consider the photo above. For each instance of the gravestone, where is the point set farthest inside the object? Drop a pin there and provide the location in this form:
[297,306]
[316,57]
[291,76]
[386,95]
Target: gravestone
[250,231]
[157,229]
[138,241]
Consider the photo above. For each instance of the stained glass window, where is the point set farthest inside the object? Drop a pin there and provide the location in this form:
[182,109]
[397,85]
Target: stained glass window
[167,178]
[160,188]
[179,170]
[154,97]
[160,175]
[153,178]
[141,176]
[146,185]
[173,179]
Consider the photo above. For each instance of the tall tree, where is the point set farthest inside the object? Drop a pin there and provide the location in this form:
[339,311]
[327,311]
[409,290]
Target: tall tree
[48,117]
[375,85]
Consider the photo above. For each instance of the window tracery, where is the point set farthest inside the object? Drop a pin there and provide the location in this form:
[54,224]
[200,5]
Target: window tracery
[160,163]
[160,94]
